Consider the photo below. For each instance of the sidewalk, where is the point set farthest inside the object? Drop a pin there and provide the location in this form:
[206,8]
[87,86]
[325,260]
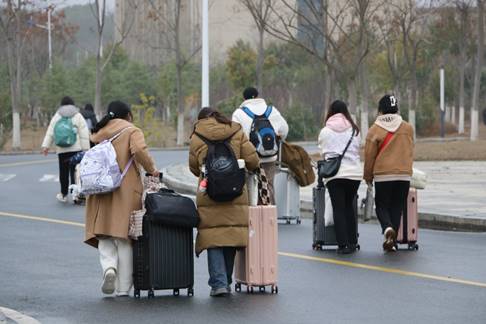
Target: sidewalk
[454,198]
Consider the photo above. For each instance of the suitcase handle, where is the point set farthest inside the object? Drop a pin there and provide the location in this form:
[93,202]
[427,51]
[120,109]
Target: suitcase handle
[161,175]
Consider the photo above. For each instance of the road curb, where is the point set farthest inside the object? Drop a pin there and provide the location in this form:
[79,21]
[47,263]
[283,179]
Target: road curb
[426,220]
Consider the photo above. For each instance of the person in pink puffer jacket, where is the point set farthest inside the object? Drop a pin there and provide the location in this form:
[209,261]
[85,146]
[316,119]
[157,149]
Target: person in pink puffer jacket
[343,187]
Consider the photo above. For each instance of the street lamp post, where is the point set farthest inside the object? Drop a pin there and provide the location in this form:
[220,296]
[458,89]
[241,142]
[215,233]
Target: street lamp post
[47,27]
[442,102]
[205,55]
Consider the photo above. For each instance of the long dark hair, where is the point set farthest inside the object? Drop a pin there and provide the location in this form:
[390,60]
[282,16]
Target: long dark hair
[116,109]
[339,107]
[207,112]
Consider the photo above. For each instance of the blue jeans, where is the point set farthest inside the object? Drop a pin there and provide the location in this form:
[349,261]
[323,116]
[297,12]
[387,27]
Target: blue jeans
[220,266]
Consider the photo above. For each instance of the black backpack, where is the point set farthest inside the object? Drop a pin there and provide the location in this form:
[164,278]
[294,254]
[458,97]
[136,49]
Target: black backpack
[262,133]
[225,178]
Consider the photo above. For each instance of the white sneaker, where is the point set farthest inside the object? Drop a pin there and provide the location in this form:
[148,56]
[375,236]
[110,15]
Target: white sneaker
[109,280]
[122,294]
[61,198]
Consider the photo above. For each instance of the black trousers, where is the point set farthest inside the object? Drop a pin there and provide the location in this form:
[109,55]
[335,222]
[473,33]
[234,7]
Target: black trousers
[65,171]
[390,200]
[343,196]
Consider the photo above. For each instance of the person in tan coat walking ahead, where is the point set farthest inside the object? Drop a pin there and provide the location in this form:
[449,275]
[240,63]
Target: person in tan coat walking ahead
[107,215]
[223,226]
[388,161]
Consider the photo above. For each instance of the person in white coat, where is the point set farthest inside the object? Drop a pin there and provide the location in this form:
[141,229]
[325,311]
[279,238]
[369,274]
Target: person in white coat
[338,131]
[258,107]
[65,153]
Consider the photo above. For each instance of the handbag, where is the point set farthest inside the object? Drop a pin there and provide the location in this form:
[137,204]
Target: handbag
[166,207]
[330,167]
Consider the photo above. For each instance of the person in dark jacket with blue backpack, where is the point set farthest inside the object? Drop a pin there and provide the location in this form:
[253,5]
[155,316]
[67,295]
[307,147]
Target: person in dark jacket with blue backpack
[223,224]
[263,125]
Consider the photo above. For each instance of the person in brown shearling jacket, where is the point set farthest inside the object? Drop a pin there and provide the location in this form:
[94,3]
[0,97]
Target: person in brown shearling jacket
[388,162]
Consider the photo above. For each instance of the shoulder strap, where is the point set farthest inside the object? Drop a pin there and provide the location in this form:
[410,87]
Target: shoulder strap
[349,143]
[248,112]
[118,134]
[385,142]
[268,111]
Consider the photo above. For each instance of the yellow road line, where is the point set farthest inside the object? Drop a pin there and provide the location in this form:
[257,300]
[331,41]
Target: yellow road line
[298,256]
[383,269]
[42,219]
[13,164]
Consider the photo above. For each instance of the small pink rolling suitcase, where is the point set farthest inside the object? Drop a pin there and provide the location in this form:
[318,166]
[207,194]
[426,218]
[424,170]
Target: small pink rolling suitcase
[257,265]
[408,232]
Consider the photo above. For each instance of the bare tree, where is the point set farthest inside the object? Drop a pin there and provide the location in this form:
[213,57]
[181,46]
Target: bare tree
[477,75]
[331,33]
[98,8]
[11,15]
[169,16]
[260,11]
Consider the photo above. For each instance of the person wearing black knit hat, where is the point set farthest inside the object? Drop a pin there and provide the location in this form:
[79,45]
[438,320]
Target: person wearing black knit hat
[388,162]
[252,109]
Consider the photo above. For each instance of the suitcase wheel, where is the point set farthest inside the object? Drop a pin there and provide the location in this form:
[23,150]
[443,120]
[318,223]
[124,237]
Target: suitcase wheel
[274,290]
[176,292]
[238,287]
[262,288]
[413,246]
[151,293]
[136,293]
[190,292]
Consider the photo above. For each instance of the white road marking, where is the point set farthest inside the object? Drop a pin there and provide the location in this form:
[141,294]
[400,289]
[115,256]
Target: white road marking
[49,178]
[5,177]
[18,317]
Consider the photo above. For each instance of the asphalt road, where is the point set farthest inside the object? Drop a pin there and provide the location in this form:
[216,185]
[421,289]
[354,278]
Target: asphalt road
[49,274]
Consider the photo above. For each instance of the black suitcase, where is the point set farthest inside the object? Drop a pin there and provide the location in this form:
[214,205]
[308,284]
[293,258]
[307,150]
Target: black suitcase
[163,258]
[324,235]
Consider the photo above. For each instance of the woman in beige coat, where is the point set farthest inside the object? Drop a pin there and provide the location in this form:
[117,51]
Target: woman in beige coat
[107,215]
[223,226]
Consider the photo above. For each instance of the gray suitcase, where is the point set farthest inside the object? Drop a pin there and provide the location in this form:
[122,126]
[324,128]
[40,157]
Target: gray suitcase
[287,196]
[324,235]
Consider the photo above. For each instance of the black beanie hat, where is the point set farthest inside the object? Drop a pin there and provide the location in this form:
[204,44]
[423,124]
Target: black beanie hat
[250,93]
[388,105]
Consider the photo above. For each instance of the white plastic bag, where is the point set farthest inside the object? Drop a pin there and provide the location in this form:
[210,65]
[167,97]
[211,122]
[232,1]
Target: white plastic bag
[328,214]
[419,179]
[369,203]
[252,184]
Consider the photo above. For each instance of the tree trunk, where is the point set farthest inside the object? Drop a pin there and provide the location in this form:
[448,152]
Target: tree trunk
[413,104]
[462,76]
[365,94]
[180,107]
[260,60]
[477,75]
[98,108]
[14,64]
[352,97]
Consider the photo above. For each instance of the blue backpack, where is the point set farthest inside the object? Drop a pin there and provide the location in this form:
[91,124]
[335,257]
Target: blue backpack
[262,133]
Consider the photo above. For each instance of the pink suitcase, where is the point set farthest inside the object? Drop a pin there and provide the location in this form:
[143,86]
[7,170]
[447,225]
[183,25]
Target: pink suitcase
[257,265]
[408,232]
